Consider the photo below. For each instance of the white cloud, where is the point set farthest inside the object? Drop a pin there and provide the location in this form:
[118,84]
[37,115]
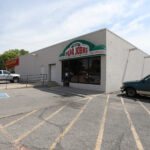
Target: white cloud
[78,22]
[135,25]
[98,14]
[141,41]
[135,32]
[138,3]
[49,23]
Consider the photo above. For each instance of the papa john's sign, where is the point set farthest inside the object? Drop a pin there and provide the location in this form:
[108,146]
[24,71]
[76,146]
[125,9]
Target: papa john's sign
[12,63]
[82,48]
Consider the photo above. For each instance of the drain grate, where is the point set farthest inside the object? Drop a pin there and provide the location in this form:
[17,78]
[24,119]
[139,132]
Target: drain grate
[3,95]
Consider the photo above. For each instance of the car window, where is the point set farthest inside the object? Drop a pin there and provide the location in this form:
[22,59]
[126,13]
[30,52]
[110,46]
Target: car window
[0,72]
[147,79]
[6,72]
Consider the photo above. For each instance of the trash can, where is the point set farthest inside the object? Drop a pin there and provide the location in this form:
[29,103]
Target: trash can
[66,80]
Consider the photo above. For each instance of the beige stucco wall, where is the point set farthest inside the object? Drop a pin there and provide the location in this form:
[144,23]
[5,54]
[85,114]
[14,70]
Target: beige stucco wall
[116,58]
[31,63]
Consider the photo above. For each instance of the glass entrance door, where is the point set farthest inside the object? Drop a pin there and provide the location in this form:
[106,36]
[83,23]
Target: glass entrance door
[65,73]
[84,70]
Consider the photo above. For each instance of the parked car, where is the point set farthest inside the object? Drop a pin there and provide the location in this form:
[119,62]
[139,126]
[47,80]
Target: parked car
[141,87]
[6,75]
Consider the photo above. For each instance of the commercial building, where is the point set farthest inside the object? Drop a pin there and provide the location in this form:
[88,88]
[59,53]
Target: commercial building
[99,61]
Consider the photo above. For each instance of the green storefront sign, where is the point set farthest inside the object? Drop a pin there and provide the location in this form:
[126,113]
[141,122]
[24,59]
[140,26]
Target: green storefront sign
[82,48]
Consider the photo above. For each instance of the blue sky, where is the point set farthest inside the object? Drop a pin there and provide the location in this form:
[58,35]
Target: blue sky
[35,24]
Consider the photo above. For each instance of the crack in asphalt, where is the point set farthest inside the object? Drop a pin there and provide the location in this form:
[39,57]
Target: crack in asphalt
[118,141]
[71,104]
[60,127]
[14,115]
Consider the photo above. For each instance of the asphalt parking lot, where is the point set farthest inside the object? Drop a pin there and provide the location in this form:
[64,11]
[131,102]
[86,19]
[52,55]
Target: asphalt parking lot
[71,119]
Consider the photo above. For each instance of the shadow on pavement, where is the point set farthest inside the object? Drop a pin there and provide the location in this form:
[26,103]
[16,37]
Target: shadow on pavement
[68,91]
[141,98]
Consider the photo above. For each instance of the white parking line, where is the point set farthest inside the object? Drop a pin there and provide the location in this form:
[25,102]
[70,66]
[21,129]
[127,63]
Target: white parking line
[134,133]
[44,121]
[8,136]
[57,140]
[100,135]
[18,119]
[144,107]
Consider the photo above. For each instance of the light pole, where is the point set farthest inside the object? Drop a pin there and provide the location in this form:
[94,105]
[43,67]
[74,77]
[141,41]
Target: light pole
[144,65]
[126,64]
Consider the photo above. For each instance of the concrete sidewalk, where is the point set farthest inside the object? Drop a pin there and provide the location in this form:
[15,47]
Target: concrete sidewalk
[8,85]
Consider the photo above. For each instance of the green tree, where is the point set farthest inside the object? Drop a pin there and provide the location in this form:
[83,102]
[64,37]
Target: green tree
[23,52]
[10,54]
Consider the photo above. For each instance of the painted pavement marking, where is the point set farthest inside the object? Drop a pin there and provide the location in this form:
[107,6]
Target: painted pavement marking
[8,136]
[57,140]
[101,131]
[15,121]
[4,95]
[12,115]
[135,135]
[10,140]
[144,107]
[42,122]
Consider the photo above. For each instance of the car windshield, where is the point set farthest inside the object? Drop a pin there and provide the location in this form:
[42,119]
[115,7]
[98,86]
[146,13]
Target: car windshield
[6,72]
[145,77]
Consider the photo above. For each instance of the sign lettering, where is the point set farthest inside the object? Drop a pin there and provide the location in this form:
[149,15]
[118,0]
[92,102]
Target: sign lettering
[12,63]
[81,48]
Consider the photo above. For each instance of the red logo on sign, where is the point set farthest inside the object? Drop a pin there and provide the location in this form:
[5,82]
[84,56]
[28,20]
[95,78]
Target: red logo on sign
[77,49]
[12,63]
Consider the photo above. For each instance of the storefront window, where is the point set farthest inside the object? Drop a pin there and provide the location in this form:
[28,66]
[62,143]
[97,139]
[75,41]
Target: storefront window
[85,70]
[65,69]
[73,71]
[94,70]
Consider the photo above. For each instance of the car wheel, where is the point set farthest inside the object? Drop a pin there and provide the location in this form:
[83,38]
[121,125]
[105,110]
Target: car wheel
[16,80]
[11,81]
[130,92]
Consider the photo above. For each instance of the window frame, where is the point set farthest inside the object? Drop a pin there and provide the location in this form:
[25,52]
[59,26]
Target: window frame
[6,72]
[147,79]
[88,58]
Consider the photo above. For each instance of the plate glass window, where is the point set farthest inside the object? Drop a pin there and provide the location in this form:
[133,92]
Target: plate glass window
[6,72]
[85,70]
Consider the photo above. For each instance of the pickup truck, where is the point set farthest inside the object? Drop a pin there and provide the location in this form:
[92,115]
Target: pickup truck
[6,75]
[141,87]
